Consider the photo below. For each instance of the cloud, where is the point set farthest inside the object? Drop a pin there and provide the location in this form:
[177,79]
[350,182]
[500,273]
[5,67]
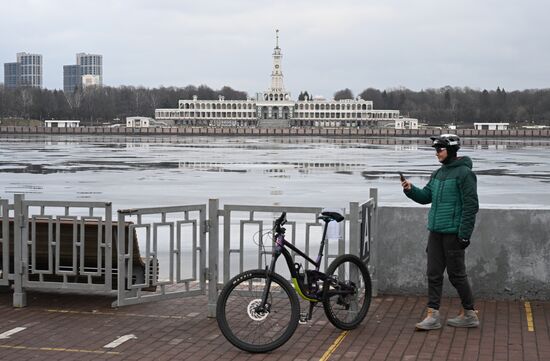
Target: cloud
[327,45]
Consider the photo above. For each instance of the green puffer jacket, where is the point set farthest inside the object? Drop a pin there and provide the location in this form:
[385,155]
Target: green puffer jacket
[452,191]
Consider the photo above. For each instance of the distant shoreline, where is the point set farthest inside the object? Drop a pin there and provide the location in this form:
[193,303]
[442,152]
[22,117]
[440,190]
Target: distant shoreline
[286,132]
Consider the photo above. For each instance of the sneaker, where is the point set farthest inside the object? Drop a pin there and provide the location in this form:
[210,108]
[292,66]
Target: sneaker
[431,322]
[467,318]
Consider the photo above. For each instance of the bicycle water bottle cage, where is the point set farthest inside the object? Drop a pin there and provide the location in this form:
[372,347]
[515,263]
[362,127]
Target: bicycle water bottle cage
[331,216]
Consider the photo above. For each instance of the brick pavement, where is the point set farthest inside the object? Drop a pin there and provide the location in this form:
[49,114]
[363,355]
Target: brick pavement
[76,327]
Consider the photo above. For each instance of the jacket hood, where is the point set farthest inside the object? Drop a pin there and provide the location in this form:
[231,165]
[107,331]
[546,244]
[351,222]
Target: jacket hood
[460,161]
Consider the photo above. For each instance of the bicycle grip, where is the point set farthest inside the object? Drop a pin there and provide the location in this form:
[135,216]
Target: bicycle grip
[280,221]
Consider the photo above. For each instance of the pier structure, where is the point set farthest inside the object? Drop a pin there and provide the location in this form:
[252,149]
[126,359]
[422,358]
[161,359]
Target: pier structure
[244,131]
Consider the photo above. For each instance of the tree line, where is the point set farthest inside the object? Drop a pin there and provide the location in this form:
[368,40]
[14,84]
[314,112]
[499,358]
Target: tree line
[96,105]
[450,105]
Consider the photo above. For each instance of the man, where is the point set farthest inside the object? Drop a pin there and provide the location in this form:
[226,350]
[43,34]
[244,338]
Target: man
[452,191]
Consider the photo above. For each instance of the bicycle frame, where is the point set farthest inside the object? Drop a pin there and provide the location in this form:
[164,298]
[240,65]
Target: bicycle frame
[280,244]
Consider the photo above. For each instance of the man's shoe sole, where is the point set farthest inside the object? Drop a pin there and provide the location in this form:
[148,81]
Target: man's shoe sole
[426,328]
[468,325]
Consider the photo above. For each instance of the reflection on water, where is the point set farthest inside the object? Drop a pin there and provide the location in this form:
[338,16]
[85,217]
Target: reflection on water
[134,171]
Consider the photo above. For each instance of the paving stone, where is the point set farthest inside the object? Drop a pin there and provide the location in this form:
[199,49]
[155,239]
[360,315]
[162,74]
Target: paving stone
[76,327]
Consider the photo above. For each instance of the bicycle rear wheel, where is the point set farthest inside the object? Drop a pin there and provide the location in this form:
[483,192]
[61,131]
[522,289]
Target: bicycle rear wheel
[346,299]
[249,328]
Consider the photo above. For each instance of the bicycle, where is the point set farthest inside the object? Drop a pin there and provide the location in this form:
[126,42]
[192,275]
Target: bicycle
[258,310]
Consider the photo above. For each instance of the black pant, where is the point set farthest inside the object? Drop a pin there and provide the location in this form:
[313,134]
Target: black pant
[444,252]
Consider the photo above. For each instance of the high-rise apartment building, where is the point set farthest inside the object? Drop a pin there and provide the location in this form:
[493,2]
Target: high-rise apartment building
[11,75]
[87,71]
[27,71]
[72,78]
[91,64]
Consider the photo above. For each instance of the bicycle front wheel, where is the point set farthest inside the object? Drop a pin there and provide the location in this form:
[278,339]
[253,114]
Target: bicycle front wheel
[248,324]
[347,292]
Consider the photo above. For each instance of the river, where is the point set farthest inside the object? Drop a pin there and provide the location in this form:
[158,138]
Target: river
[305,171]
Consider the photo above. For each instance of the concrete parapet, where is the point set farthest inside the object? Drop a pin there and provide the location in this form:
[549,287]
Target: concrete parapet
[509,256]
[240,131]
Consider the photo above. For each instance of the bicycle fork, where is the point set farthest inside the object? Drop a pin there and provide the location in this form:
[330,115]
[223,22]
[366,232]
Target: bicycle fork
[264,306]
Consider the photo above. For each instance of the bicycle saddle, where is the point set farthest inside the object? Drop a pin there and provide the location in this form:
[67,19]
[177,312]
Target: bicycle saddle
[333,216]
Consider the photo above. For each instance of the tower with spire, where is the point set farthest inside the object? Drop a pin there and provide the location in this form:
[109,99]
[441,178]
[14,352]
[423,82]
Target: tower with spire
[275,104]
[277,73]
[277,92]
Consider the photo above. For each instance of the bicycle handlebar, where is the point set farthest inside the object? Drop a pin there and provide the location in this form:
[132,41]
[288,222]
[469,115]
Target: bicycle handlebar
[280,222]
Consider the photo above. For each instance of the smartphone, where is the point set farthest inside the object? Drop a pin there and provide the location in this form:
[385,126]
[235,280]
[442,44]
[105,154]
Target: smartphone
[401,176]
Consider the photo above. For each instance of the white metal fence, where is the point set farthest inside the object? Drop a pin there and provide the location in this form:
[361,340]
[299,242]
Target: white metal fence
[165,262]
[4,243]
[150,254]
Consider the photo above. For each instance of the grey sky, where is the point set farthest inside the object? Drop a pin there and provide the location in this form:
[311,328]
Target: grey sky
[326,45]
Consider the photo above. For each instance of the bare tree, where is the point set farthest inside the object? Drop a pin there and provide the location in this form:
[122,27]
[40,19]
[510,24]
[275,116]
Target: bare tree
[343,94]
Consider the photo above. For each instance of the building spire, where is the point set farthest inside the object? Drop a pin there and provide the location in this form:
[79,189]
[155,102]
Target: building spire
[277,73]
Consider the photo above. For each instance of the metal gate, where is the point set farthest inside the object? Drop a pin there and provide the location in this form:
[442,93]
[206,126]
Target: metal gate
[163,233]
[62,261]
[367,243]
[4,242]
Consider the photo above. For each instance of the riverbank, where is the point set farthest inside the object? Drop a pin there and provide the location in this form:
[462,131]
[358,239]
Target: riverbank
[233,131]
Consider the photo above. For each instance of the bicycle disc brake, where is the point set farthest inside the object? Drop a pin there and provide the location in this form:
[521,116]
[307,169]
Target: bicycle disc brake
[254,311]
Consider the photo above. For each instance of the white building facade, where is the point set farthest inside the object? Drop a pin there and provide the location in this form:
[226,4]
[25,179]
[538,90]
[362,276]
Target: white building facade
[406,123]
[491,126]
[143,122]
[61,123]
[90,80]
[275,108]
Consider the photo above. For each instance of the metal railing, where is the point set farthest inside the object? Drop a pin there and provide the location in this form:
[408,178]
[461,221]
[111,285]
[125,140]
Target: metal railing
[356,236]
[4,243]
[62,261]
[163,229]
[367,244]
[151,254]
[252,216]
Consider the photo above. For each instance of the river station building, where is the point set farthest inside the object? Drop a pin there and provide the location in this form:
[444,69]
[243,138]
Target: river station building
[275,108]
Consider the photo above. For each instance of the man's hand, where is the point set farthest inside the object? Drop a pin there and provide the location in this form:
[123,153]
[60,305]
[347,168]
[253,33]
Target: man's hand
[463,242]
[406,185]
